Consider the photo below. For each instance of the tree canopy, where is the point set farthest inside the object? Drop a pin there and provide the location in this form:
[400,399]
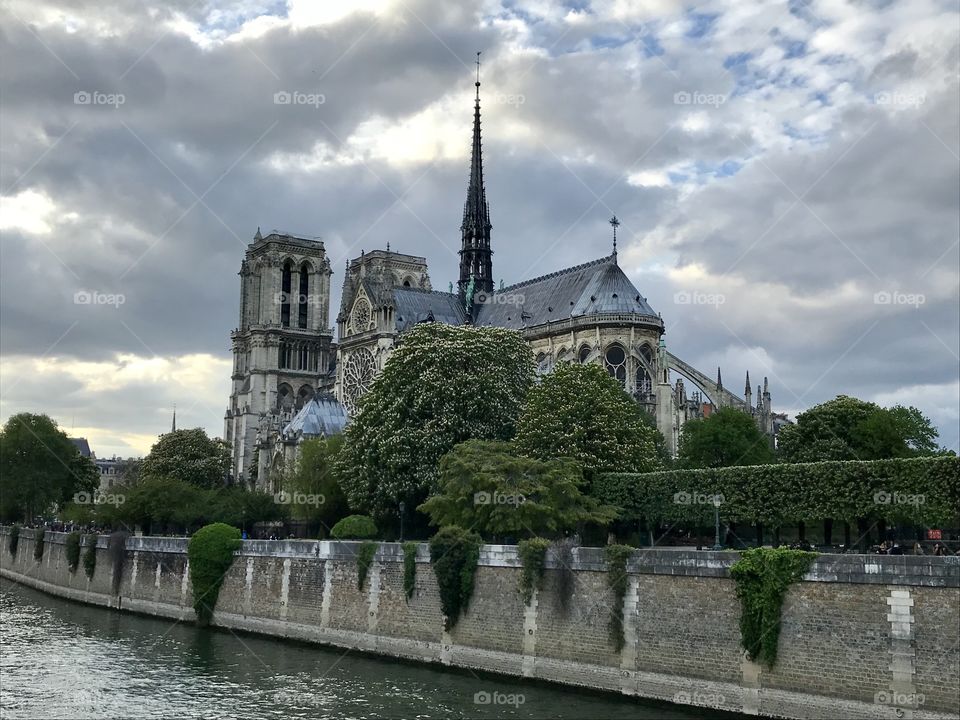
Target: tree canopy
[581,412]
[726,437]
[847,428]
[486,487]
[39,467]
[188,455]
[314,492]
[441,386]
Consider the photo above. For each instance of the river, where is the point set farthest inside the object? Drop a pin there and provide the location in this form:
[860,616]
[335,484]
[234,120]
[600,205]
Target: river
[60,659]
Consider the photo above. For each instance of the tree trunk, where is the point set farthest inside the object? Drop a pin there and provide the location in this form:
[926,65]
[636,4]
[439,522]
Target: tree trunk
[863,530]
[776,536]
[882,530]
[828,532]
[802,531]
[846,535]
[759,534]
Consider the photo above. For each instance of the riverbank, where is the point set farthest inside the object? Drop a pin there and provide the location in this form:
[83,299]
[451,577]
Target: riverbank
[861,637]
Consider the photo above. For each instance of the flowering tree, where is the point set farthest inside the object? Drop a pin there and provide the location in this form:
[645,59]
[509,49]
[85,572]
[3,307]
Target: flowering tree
[187,455]
[441,386]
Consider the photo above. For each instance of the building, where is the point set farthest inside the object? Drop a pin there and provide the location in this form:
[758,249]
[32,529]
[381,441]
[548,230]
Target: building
[589,313]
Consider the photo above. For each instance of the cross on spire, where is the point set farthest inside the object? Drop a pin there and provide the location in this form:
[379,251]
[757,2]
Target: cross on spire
[615,224]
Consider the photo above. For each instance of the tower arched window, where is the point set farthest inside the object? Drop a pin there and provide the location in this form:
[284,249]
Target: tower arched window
[583,353]
[303,296]
[285,289]
[643,379]
[615,360]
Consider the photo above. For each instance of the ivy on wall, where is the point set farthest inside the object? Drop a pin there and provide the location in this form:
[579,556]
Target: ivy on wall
[38,544]
[454,554]
[365,554]
[72,548]
[210,553]
[118,556]
[563,550]
[90,556]
[14,539]
[410,567]
[763,576]
[617,556]
[533,559]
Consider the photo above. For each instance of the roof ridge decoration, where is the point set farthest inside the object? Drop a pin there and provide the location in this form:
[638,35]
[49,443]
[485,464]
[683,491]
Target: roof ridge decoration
[557,273]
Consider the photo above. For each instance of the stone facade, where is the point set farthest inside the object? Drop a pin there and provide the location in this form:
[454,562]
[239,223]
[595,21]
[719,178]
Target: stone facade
[861,637]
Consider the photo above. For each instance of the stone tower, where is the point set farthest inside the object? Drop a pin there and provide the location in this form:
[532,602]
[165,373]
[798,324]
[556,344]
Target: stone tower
[282,350]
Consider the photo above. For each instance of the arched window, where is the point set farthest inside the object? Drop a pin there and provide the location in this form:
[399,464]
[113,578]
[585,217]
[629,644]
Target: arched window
[304,395]
[583,353]
[304,295]
[544,364]
[285,294]
[285,397]
[643,379]
[563,355]
[615,360]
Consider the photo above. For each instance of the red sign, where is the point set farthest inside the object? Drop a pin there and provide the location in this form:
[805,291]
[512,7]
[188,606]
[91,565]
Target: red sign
[934,534]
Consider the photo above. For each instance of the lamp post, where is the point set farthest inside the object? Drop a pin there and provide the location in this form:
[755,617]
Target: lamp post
[403,507]
[716,523]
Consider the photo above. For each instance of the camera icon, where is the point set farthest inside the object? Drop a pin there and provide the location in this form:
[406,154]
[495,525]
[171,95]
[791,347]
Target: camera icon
[882,298]
[681,98]
[682,298]
[482,698]
[82,297]
[882,497]
[681,498]
[282,498]
[83,498]
[282,98]
[882,98]
[682,698]
[481,498]
[81,98]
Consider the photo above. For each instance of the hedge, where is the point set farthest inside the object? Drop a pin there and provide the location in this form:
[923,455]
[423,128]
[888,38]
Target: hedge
[917,490]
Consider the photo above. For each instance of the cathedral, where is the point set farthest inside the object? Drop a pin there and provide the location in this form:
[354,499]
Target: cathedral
[291,381]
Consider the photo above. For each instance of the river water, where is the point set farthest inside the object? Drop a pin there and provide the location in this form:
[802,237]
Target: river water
[60,659]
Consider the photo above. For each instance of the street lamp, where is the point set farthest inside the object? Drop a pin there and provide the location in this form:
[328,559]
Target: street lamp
[403,507]
[716,523]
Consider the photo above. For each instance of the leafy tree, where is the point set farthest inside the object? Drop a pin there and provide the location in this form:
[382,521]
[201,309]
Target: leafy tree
[847,428]
[485,487]
[581,412]
[187,455]
[39,467]
[659,441]
[354,527]
[441,386]
[727,437]
[315,478]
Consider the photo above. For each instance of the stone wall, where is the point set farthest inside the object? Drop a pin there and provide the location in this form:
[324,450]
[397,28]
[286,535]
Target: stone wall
[861,637]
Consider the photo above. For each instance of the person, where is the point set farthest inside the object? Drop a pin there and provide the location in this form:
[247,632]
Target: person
[917,549]
[884,549]
[896,549]
[939,550]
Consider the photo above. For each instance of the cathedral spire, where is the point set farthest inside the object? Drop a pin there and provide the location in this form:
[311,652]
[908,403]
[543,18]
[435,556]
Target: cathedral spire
[173,425]
[475,254]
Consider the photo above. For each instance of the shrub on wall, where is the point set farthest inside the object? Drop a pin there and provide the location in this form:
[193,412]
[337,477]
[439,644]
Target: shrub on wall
[354,527]
[365,554]
[410,567]
[118,556]
[90,556]
[210,553]
[763,576]
[72,548]
[454,554]
[617,556]
[533,558]
[14,539]
[38,544]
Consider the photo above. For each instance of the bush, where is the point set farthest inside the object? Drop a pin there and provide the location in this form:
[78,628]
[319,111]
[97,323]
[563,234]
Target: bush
[210,553]
[782,493]
[38,544]
[365,555]
[617,578]
[14,540]
[72,549]
[533,558]
[410,567]
[454,553]
[763,576]
[354,527]
[90,556]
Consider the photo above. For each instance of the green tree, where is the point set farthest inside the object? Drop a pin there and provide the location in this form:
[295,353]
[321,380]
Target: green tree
[581,412]
[847,428]
[39,467]
[187,455]
[659,441]
[313,487]
[485,486]
[441,386]
[727,437]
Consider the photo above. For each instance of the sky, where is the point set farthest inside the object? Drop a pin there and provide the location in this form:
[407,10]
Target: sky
[785,172]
